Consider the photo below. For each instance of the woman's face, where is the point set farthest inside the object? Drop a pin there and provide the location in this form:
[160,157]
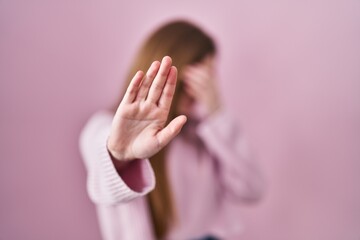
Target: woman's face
[187,104]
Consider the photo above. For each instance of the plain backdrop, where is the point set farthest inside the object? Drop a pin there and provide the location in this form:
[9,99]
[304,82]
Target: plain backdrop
[289,71]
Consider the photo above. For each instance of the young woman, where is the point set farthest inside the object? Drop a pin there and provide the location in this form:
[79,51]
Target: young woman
[201,176]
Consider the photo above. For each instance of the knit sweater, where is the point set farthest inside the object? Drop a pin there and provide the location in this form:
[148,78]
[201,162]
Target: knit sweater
[210,173]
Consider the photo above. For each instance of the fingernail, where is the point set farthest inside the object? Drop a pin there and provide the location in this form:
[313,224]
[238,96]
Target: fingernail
[167,58]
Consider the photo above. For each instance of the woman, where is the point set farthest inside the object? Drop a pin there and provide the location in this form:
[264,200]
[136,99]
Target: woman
[201,176]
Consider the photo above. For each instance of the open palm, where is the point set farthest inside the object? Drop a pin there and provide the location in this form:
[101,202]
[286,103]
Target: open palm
[138,128]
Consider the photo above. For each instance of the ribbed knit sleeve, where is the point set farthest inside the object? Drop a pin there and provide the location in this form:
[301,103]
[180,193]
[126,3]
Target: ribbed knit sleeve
[224,139]
[104,184]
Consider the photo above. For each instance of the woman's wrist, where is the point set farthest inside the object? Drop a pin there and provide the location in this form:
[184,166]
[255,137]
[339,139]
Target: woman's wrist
[117,159]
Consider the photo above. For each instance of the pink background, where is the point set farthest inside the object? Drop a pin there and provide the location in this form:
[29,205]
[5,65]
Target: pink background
[290,70]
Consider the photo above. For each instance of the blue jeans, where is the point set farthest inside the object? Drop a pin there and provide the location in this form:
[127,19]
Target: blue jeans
[209,237]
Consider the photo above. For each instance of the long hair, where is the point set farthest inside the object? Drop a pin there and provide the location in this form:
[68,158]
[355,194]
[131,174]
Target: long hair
[186,44]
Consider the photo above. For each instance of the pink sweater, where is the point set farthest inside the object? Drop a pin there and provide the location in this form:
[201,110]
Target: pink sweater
[210,173]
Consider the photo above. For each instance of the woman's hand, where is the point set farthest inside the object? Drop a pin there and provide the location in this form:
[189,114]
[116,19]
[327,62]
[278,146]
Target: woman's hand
[138,129]
[200,84]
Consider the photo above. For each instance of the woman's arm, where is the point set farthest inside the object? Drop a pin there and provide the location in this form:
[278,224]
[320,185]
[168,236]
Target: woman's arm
[106,184]
[239,172]
[114,148]
[221,135]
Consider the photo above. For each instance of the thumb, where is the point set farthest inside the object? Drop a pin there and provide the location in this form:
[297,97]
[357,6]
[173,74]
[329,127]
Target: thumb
[170,131]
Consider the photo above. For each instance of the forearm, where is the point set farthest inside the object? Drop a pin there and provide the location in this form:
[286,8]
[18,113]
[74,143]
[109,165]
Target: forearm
[107,181]
[239,173]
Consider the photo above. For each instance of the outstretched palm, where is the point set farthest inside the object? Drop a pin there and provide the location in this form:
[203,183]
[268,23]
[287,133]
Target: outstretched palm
[138,129]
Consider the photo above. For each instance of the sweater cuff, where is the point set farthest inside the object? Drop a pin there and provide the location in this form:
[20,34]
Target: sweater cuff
[135,181]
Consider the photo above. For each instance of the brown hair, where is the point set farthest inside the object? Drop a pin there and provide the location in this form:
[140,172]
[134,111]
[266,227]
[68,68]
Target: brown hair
[185,44]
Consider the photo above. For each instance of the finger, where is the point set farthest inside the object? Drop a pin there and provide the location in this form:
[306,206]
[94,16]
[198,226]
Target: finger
[170,131]
[169,89]
[196,81]
[147,80]
[133,87]
[202,80]
[199,74]
[197,67]
[159,81]
[192,92]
